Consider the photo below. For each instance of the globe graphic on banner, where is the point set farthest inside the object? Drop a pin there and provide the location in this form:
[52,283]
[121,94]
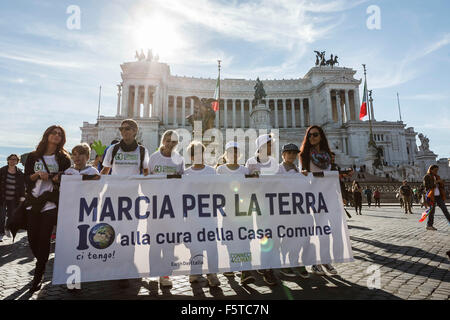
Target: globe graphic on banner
[101,236]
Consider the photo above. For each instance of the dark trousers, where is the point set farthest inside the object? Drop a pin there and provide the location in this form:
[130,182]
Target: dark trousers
[441,204]
[377,202]
[40,227]
[369,200]
[357,199]
[6,211]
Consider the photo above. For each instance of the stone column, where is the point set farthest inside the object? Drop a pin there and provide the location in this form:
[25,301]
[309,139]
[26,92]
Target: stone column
[136,101]
[284,114]
[119,87]
[330,106]
[338,107]
[183,110]
[175,120]
[146,103]
[166,107]
[234,113]
[310,117]
[275,110]
[156,112]
[347,107]
[293,112]
[192,105]
[225,111]
[242,115]
[302,113]
[125,92]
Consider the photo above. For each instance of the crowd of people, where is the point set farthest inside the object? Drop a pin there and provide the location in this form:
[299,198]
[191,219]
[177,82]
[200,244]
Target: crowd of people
[36,191]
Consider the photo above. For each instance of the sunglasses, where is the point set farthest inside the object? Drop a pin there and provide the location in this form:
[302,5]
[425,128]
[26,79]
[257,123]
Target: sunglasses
[314,134]
[59,133]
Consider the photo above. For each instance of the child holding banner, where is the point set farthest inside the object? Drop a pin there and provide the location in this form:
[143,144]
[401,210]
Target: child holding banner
[80,157]
[231,166]
[264,163]
[163,162]
[196,151]
[315,156]
[289,154]
[42,170]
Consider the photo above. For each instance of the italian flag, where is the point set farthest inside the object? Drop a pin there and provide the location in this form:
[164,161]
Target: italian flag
[215,104]
[363,110]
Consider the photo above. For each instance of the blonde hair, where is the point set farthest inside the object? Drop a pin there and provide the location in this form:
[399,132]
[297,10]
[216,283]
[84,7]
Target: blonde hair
[171,133]
[82,148]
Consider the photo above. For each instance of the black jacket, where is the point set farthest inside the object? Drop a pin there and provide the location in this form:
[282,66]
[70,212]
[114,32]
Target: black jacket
[63,164]
[20,184]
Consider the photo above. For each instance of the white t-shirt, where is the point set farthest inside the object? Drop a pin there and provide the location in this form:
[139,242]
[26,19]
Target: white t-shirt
[125,163]
[282,169]
[42,186]
[223,169]
[89,170]
[205,170]
[160,164]
[270,166]
[314,168]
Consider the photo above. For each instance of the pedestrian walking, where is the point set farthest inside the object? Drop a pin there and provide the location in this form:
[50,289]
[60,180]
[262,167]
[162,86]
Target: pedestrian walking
[42,171]
[406,193]
[12,191]
[357,196]
[435,189]
[368,193]
[377,197]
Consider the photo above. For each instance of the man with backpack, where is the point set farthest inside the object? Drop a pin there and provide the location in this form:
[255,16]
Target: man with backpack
[406,194]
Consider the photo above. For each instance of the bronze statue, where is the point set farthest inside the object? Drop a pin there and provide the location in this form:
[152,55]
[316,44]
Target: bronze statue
[332,61]
[320,58]
[202,112]
[260,93]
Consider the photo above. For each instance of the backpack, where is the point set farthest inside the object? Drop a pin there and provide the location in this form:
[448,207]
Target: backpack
[141,156]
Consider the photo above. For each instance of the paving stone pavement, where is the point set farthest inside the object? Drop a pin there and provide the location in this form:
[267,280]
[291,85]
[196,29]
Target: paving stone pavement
[411,261]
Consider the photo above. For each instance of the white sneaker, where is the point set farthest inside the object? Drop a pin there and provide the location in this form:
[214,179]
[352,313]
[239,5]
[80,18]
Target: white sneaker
[213,281]
[194,278]
[330,269]
[317,269]
[165,282]
[8,233]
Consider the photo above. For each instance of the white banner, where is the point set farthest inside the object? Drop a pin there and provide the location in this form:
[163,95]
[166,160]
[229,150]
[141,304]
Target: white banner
[132,227]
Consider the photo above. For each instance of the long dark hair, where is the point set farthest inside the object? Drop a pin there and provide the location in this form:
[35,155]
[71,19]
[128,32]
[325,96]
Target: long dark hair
[305,149]
[42,146]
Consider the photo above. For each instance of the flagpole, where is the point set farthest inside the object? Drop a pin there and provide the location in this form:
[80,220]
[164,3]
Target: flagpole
[399,110]
[219,61]
[368,107]
[99,100]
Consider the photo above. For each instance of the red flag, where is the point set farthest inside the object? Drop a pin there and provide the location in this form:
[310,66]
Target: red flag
[363,110]
[215,104]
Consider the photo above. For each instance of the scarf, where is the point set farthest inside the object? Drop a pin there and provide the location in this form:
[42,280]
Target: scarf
[321,160]
[128,147]
[289,166]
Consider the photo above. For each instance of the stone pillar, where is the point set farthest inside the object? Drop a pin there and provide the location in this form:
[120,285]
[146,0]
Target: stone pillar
[156,112]
[293,112]
[125,92]
[146,103]
[136,101]
[302,113]
[330,106]
[284,114]
[234,113]
[310,121]
[166,107]
[339,107]
[242,115]
[183,111]
[347,107]
[275,110]
[175,120]
[225,111]
[119,87]
[192,106]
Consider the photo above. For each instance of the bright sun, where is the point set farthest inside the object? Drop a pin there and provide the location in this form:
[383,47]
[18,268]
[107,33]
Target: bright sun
[158,33]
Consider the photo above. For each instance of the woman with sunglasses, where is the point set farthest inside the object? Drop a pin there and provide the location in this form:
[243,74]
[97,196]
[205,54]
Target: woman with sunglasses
[42,170]
[315,156]
[12,190]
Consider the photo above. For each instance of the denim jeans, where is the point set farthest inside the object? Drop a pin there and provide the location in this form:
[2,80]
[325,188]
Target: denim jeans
[441,204]
[6,211]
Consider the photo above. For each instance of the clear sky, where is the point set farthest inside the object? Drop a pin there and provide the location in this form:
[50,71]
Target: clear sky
[51,74]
